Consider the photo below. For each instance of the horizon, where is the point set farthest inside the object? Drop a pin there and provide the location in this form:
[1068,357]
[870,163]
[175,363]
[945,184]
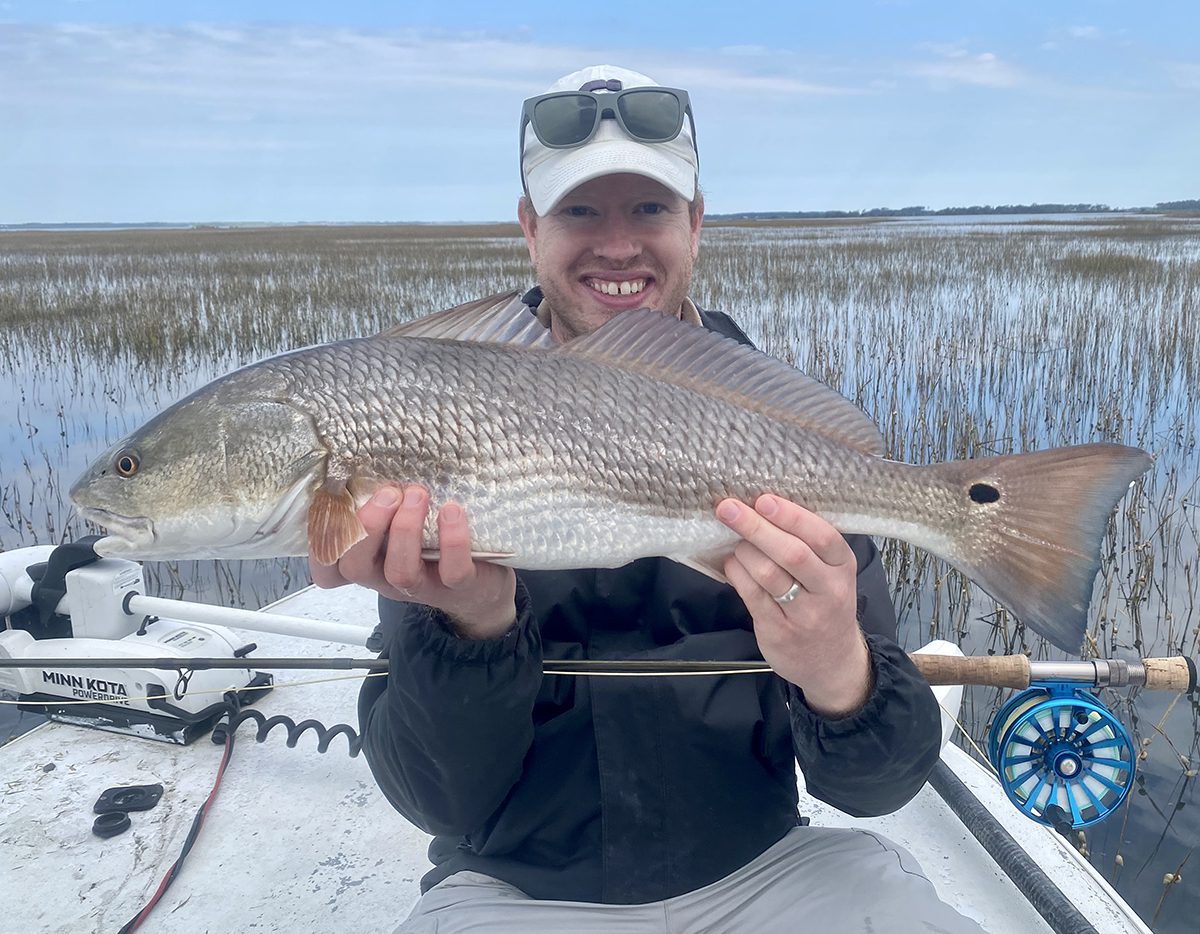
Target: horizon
[233,113]
[884,213]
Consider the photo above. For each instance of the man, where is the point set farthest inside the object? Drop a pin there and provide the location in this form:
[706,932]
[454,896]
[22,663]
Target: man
[639,804]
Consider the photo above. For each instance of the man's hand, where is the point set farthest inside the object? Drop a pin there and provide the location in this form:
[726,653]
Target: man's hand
[477,596]
[814,641]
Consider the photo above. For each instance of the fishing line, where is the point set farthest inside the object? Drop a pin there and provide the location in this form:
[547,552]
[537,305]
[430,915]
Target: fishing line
[659,674]
[378,674]
[985,761]
[756,670]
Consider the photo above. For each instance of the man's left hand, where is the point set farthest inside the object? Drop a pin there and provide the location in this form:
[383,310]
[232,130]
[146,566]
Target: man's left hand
[813,641]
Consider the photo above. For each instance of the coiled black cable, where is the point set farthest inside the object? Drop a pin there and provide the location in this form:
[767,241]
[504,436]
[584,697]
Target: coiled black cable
[235,717]
[230,713]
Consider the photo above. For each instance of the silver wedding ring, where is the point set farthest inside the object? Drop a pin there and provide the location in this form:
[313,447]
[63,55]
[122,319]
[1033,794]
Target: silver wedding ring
[792,593]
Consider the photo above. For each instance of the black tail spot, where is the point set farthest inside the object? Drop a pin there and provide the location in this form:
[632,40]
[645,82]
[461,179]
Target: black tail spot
[984,493]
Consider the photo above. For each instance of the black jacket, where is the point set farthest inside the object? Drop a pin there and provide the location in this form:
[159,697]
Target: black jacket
[627,790]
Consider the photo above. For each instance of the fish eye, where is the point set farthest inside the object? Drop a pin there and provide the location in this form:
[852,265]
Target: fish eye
[983,493]
[127,463]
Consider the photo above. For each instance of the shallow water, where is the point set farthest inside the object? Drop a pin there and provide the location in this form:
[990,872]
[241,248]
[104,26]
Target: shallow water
[958,338]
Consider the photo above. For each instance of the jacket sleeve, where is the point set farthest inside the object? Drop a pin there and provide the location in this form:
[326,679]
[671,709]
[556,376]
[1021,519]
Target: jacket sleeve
[873,761]
[446,732]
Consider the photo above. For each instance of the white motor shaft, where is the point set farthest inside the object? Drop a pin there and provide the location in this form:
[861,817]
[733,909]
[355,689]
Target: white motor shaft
[106,600]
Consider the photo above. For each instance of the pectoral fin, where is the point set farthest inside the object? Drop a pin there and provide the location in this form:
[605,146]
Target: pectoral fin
[709,563]
[333,526]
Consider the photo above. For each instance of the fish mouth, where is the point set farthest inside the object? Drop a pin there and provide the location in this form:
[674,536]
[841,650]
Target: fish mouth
[125,533]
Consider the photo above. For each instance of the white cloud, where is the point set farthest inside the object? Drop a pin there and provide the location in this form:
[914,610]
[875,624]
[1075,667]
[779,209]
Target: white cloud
[1085,32]
[199,60]
[229,34]
[985,69]
[729,80]
[287,67]
[289,120]
[944,49]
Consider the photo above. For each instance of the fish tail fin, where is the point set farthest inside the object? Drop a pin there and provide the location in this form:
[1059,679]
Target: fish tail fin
[1034,527]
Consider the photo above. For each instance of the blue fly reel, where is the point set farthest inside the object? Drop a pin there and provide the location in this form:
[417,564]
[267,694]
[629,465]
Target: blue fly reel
[1061,755]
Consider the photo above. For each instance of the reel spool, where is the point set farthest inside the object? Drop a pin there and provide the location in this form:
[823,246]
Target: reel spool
[1057,747]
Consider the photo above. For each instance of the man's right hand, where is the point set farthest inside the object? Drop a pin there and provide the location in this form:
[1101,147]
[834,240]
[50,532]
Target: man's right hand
[477,596]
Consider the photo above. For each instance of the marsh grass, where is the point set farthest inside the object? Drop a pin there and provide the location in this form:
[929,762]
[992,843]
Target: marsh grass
[958,339]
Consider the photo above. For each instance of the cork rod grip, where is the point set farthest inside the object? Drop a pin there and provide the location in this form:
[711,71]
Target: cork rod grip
[1002,671]
[1170,674]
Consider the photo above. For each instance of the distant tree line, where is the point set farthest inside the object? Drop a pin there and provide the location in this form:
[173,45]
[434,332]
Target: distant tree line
[1192,205]
[922,211]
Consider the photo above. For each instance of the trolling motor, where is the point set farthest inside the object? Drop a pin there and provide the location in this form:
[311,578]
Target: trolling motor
[67,604]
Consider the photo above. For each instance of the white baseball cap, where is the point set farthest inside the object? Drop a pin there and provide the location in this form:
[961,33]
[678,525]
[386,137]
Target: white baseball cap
[549,174]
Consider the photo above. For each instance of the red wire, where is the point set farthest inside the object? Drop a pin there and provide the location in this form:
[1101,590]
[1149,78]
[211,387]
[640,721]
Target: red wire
[166,879]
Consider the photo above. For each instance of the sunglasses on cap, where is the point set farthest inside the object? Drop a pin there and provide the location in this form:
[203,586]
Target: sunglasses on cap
[567,119]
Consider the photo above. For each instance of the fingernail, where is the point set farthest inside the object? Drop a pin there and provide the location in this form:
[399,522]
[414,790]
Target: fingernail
[767,506]
[387,497]
[728,511]
[414,498]
[452,512]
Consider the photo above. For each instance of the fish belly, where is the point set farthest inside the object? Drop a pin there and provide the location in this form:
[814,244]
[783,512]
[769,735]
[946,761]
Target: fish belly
[553,527]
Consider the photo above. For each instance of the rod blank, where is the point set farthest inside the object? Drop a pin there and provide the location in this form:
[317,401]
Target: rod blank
[1176,674]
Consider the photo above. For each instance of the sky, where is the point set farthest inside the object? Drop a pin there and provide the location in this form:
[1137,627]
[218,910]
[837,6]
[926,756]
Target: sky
[182,111]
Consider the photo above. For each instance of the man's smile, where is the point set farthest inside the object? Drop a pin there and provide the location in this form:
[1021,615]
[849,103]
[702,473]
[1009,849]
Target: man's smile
[617,286]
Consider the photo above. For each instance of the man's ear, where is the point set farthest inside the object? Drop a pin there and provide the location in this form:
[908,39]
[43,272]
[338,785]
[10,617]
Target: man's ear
[696,218]
[528,218]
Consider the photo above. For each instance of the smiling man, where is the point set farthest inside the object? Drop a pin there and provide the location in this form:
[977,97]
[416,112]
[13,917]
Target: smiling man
[657,804]
[611,244]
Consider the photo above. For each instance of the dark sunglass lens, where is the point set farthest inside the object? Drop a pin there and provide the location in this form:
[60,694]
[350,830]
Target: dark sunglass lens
[654,116]
[564,121]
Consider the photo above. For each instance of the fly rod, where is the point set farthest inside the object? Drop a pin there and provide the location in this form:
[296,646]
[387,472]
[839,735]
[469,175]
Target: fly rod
[1176,673]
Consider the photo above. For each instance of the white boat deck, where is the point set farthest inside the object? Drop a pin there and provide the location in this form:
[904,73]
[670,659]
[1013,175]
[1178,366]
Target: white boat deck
[298,841]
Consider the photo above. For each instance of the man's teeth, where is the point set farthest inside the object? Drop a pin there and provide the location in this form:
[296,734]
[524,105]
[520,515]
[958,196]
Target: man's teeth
[627,287]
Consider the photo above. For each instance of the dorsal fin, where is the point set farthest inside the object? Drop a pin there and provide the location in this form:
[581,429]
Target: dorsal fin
[498,319]
[668,349]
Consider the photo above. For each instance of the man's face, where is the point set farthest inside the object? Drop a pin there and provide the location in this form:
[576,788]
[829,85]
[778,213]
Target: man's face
[622,233]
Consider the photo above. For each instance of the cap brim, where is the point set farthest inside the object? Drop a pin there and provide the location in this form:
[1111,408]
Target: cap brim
[559,171]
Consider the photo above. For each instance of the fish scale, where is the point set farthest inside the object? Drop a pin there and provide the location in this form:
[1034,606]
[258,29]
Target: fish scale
[636,468]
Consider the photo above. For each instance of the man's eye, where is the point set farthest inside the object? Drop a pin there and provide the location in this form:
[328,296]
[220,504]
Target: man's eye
[577,210]
[652,207]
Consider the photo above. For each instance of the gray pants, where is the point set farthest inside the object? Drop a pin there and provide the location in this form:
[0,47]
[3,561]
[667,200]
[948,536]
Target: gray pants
[816,879]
